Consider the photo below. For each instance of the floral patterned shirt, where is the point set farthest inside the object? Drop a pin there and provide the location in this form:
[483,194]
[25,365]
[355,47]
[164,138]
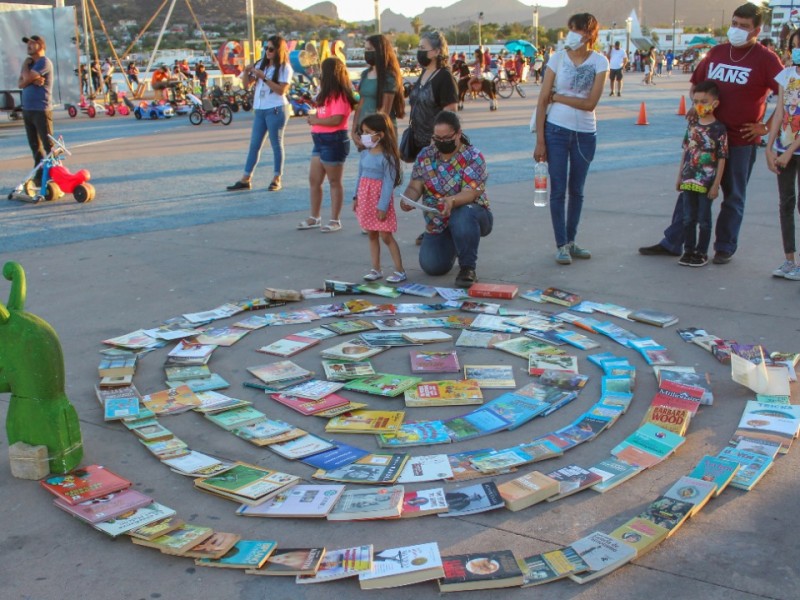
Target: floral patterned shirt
[703,147]
[440,178]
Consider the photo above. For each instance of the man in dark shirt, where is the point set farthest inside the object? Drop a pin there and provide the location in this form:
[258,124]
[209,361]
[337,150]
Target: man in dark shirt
[36,82]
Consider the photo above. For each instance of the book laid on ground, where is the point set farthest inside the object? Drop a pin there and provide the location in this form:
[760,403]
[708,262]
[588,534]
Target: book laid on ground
[115,381]
[385,338]
[267,431]
[653,317]
[406,565]
[572,479]
[473,499]
[289,345]
[527,490]
[417,289]
[538,363]
[307,407]
[245,554]
[156,528]
[580,341]
[366,421]
[383,384]
[695,491]
[187,372]
[178,540]
[314,389]
[211,402]
[367,504]
[752,467]
[171,401]
[304,501]
[428,337]
[424,433]
[493,290]
[602,553]
[423,502]
[215,546]
[121,407]
[647,446]
[672,419]
[480,339]
[479,422]
[214,381]
[235,417]
[424,468]
[355,349]
[302,447]
[379,289]
[163,449]
[84,483]
[717,470]
[612,472]
[346,370]
[279,371]
[551,566]
[432,361]
[516,409]
[493,323]
[376,469]
[247,484]
[463,469]
[444,393]
[491,376]
[105,507]
[194,462]
[131,520]
[340,564]
[668,513]
[701,380]
[340,456]
[774,423]
[221,336]
[523,346]
[480,571]
[560,297]
[496,460]
[189,353]
[291,561]
[640,534]
[115,367]
[346,326]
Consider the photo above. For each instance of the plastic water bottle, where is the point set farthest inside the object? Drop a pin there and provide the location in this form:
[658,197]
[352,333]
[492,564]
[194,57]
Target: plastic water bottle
[540,174]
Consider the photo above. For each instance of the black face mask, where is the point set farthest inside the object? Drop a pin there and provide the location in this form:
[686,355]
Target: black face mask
[422,58]
[447,147]
[369,57]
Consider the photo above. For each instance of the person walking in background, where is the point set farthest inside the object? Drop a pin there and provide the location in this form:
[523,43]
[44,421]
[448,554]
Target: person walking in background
[617,59]
[566,133]
[271,76]
[201,75]
[36,83]
[705,150]
[745,73]
[107,71]
[97,76]
[329,127]
[783,155]
[133,74]
[381,87]
[670,58]
[379,172]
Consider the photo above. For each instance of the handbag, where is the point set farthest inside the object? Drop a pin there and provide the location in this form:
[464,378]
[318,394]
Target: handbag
[408,145]
[533,117]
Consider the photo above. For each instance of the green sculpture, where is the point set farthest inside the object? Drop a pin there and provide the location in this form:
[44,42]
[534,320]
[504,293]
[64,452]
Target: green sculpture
[32,370]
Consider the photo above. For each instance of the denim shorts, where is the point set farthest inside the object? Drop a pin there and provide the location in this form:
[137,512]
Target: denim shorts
[332,148]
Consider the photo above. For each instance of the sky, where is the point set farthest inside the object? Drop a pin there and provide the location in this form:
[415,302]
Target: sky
[363,10]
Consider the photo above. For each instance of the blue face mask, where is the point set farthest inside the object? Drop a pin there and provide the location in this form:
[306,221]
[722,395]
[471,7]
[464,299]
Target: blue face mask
[796,56]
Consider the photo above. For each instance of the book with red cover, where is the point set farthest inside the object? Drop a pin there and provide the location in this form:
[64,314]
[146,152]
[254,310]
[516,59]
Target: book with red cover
[106,507]
[432,361]
[306,406]
[677,395]
[493,290]
[82,484]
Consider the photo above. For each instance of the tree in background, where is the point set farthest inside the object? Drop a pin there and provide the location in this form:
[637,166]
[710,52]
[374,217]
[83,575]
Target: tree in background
[416,25]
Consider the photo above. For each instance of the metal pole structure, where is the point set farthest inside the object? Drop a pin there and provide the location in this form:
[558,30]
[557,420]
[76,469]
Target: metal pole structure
[536,26]
[158,40]
[628,23]
[674,16]
[378,16]
[480,38]
[85,11]
[251,32]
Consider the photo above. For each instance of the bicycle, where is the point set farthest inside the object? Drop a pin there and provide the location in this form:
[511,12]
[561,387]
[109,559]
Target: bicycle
[506,83]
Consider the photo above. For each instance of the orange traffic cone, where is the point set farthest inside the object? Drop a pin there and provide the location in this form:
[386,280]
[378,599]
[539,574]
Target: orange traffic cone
[642,116]
[682,107]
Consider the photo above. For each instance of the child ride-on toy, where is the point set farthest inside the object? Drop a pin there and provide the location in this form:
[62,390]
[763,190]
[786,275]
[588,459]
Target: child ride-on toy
[56,179]
[205,109]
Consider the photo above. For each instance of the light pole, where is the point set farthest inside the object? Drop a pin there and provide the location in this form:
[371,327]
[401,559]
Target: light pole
[628,24]
[377,16]
[480,22]
[674,17]
[536,27]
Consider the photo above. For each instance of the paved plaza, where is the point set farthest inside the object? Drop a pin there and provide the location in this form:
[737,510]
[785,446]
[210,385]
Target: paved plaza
[163,238]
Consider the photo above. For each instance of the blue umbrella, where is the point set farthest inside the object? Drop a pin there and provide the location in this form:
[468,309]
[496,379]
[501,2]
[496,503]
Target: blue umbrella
[527,48]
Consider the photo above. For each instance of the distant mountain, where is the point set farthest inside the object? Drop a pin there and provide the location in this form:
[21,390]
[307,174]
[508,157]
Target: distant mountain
[323,9]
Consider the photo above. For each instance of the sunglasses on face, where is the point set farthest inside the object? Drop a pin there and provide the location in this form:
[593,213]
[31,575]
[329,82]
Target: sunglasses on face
[449,138]
[269,49]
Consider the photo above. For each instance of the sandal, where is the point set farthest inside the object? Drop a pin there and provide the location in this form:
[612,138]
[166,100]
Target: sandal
[397,277]
[274,186]
[333,225]
[373,275]
[309,223]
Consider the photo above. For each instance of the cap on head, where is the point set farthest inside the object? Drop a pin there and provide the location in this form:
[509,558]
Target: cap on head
[35,38]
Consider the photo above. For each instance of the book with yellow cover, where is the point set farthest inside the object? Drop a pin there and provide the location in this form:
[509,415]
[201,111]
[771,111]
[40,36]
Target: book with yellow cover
[670,418]
[640,534]
[366,421]
[445,393]
[527,490]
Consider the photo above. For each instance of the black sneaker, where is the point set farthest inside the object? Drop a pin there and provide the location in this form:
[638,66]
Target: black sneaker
[466,277]
[239,185]
[657,250]
[686,259]
[722,258]
[698,260]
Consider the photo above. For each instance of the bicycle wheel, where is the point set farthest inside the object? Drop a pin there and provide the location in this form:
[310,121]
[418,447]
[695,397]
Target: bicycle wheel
[520,91]
[504,87]
[225,115]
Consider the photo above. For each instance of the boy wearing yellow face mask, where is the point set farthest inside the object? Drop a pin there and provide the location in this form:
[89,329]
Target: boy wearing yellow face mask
[705,149]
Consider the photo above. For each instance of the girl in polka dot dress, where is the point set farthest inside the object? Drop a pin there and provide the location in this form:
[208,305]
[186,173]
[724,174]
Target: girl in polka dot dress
[378,174]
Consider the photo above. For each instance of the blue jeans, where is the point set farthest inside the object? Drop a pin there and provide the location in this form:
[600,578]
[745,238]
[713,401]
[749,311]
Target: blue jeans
[569,154]
[467,225]
[272,121]
[696,215]
[734,192]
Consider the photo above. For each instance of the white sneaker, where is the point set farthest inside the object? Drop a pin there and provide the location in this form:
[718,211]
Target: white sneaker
[794,274]
[787,267]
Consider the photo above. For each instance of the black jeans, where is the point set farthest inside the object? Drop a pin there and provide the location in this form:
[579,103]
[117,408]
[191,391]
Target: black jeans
[787,194]
[38,125]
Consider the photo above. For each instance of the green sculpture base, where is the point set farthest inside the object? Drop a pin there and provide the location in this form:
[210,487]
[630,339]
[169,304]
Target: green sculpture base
[32,370]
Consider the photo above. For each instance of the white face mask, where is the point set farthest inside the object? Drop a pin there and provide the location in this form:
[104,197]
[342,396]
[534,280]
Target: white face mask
[573,41]
[367,141]
[737,37]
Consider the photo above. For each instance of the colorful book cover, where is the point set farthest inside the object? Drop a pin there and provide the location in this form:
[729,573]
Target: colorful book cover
[279,371]
[341,563]
[349,325]
[222,336]
[356,350]
[314,389]
[752,467]
[366,421]
[539,363]
[516,409]
[291,561]
[121,408]
[479,422]
[133,520]
[472,499]
[310,407]
[289,346]
[247,481]
[480,339]
[561,297]
[719,471]
[677,395]
[171,401]
[423,502]
[463,470]
[205,384]
[521,346]
[383,384]
[497,569]
[491,376]
[245,554]
[430,467]
[648,445]
[431,361]
[376,468]
[417,289]
[301,501]
[612,472]
[501,459]
[672,419]
[445,393]
[344,370]
[178,540]
[188,372]
[493,323]
[301,447]
[692,490]
[485,308]
[379,289]
[367,504]
[602,553]
[85,483]
[236,417]
[640,534]
[335,458]
[385,338]
[105,507]
[667,512]
[571,480]
[424,433]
